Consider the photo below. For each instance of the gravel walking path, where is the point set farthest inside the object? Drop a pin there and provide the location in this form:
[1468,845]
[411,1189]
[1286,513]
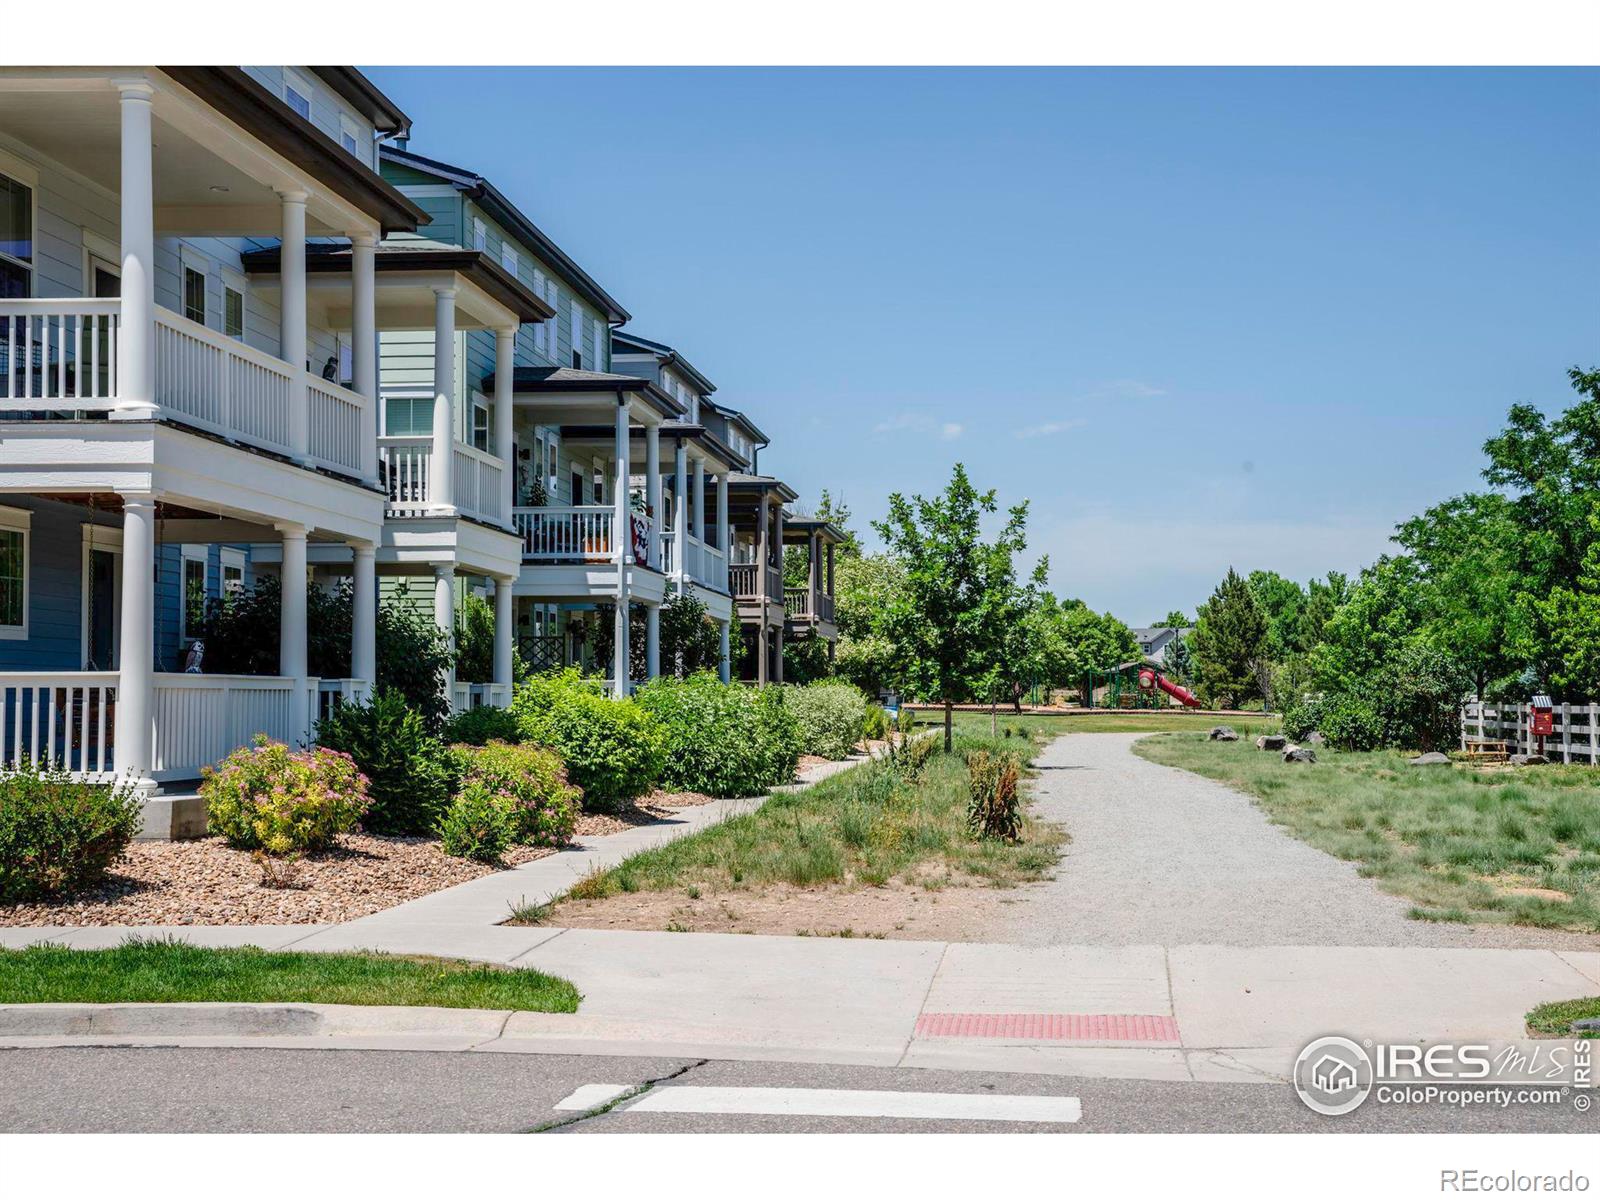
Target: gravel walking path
[1161,856]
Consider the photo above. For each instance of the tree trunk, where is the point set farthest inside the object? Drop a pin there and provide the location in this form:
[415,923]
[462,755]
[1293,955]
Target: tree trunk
[993,731]
[949,722]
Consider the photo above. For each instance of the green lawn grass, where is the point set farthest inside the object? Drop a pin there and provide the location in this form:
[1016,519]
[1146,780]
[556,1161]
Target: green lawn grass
[1049,725]
[164,971]
[861,826]
[1554,1020]
[1513,846]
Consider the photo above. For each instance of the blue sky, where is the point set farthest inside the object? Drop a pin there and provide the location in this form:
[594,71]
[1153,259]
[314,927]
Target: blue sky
[1196,317]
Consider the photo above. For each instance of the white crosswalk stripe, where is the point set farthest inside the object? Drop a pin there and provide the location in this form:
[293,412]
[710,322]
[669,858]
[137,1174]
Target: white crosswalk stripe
[832,1102]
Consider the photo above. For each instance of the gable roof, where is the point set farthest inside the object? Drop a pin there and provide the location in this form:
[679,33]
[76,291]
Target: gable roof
[733,414]
[364,96]
[666,356]
[498,206]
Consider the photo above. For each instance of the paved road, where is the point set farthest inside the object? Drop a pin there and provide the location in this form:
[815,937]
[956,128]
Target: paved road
[205,1090]
[1161,856]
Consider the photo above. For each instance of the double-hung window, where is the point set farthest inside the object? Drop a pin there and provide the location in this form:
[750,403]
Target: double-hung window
[480,234]
[541,331]
[232,571]
[509,260]
[599,344]
[350,136]
[15,527]
[233,304]
[576,315]
[192,605]
[194,267]
[16,239]
[297,93]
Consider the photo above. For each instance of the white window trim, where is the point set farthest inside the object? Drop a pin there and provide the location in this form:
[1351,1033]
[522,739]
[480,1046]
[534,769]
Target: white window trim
[234,281]
[511,260]
[20,520]
[480,234]
[192,552]
[190,259]
[351,128]
[575,331]
[28,176]
[599,343]
[108,539]
[232,557]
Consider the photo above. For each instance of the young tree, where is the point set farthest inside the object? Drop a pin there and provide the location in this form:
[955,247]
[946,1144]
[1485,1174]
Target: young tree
[949,620]
[1229,642]
[1177,662]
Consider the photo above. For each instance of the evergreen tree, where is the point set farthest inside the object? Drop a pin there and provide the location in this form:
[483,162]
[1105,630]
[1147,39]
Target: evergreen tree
[1229,647]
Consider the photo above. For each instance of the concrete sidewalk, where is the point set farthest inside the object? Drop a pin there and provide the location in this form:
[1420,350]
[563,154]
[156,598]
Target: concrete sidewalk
[1206,1013]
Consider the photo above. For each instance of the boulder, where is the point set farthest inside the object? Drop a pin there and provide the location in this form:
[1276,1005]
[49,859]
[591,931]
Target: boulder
[1527,760]
[1315,738]
[1431,759]
[1271,741]
[1294,754]
[1223,733]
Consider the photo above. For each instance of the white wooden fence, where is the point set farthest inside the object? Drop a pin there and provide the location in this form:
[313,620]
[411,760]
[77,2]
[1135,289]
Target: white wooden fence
[1576,735]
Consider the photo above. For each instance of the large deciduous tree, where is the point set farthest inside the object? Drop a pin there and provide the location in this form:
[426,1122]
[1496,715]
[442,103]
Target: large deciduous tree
[949,620]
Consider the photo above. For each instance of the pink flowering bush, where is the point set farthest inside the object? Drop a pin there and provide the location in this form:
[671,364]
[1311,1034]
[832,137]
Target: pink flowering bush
[269,797]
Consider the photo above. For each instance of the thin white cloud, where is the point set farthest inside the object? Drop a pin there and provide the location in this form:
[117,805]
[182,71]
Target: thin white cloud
[908,421]
[1051,428]
[1132,389]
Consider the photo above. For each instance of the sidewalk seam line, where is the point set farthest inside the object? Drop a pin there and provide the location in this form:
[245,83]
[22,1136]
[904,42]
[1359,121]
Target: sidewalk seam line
[922,1006]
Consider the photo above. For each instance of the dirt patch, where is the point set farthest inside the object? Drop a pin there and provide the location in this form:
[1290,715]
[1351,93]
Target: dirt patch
[206,883]
[960,913]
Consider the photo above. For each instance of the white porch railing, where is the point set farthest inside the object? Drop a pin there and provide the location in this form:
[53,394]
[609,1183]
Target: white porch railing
[65,718]
[1575,735]
[478,484]
[404,466]
[566,533]
[58,355]
[716,563]
[218,383]
[464,696]
[331,693]
[669,552]
[200,719]
[336,426]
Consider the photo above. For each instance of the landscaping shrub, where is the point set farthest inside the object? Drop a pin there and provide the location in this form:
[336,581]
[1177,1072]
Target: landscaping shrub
[1350,723]
[58,834]
[875,724]
[612,748]
[543,805]
[1299,720]
[831,717]
[482,725]
[409,773]
[911,758]
[905,721]
[993,809]
[282,801]
[723,739]
[478,824]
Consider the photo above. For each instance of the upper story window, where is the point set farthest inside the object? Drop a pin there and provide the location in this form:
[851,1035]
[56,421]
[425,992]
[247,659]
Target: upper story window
[297,93]
[350,137]
[599,344]
[194,295]
[541,330]
[509,259]
[15,524]
[16,239]
[576,333]
[233,308]
[480,234]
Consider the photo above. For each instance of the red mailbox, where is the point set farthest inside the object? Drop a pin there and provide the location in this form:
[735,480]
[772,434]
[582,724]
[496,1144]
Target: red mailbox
[1541,717]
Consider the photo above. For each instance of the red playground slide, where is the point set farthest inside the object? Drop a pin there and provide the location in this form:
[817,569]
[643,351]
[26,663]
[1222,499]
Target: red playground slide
[1152,679]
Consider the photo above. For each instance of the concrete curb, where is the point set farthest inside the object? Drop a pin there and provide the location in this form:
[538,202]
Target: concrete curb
[102,1021]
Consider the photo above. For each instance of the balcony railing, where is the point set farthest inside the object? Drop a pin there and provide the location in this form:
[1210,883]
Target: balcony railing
[745,579]
[405,465]
[60,356]
[478,484]
[566,533]
[802,604]
[464,696]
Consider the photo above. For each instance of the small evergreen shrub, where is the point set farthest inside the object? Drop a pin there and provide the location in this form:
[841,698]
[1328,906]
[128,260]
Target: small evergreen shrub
[831,717]
[478,824]
[722,739]
[409,773]
[58,834]
[612,748]
[875,724]
[482,725]
[268,797]
[542,804]
[993,808]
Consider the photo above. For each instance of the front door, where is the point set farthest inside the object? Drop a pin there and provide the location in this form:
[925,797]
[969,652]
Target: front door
[102,596]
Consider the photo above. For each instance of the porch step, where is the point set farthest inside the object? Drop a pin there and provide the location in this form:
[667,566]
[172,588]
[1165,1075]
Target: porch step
[171,816]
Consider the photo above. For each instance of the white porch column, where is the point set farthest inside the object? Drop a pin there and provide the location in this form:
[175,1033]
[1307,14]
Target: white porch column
[505,379]
[136,359]
[136,682]
[698,498]
[442,469]
[292,624]
[364,603]
[652,490]
[725,664]
[444,615]
[364,343]
[503,621]
[652,641]
[292,320]
[622,535]
[724,543]
[680,510]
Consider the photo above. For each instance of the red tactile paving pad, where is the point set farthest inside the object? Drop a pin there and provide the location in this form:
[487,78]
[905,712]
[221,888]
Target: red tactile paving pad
[1050,1027]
